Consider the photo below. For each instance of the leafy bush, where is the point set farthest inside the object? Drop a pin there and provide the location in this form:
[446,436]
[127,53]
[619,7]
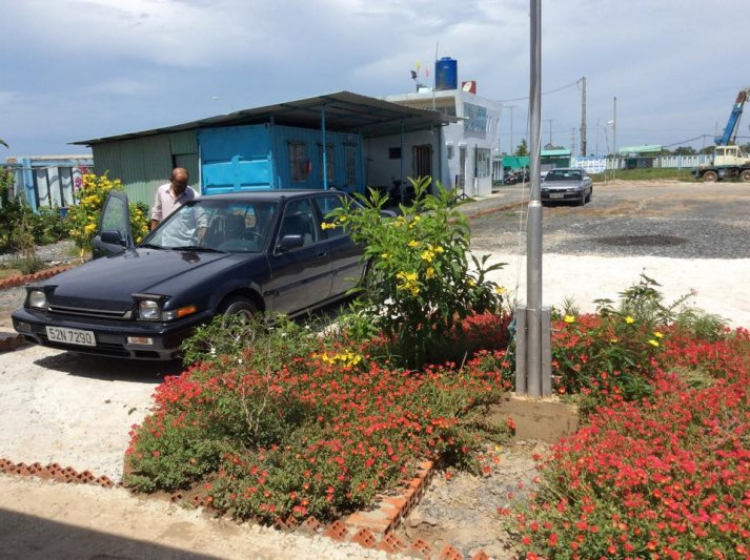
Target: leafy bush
[20,228]
[302,424]
[419,284]
[83,218]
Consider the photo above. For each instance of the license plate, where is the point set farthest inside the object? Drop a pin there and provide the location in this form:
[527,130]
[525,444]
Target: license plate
[71,336]
[556,195]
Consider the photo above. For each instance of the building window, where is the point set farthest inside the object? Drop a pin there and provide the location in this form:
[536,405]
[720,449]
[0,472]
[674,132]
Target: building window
[394,153]
[329,162]
[475,118]
[481,162]
[350,164]
[298,163]
[449,151]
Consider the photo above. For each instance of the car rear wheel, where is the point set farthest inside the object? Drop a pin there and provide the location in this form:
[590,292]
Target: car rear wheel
[745,175]
[710,177]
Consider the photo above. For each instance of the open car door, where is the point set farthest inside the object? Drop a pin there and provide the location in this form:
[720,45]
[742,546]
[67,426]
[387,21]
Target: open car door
[114,234]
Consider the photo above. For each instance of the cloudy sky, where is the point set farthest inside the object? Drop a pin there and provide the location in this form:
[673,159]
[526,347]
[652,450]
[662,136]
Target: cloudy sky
[78,69]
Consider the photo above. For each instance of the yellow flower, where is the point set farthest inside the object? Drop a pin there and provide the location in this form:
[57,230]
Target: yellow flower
[439,249]
[384,256]
[500,290]
[613,340]
[342,219]
[414,243]
[654,343]
[569,319]
[428,255]
[89,228]
[328,225]
[659,335]
[430,273]
[471,282]
[629,320]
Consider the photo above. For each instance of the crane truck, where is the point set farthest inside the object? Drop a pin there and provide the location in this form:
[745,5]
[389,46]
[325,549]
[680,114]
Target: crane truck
[728,160]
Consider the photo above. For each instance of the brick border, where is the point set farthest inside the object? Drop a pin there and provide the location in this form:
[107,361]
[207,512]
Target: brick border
[372,529]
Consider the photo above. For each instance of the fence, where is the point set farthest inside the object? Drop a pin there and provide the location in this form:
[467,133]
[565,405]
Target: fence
[48,182]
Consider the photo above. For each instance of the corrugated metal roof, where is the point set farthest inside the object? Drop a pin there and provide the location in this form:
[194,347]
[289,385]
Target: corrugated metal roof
[645,149]
[344,112]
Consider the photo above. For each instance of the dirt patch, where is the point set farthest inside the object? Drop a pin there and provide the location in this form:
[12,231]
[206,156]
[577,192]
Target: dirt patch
[641,240]
[462,510]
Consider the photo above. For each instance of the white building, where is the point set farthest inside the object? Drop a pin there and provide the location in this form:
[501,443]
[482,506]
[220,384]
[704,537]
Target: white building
[458,155]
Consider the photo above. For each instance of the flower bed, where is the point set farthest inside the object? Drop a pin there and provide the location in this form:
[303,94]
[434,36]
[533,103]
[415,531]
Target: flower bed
[320,433]
[663,476]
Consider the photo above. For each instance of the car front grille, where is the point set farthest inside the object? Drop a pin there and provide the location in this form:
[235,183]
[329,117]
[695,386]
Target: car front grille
[98,313]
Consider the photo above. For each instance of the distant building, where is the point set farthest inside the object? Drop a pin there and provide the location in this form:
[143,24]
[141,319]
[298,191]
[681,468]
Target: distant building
[48,181]
[462,155]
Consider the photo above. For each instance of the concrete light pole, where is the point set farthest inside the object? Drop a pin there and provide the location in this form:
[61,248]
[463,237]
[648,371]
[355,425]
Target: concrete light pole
[533,359]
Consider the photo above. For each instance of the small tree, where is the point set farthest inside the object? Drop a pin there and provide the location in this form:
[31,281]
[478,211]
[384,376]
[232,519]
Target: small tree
[522,149]
[419,285]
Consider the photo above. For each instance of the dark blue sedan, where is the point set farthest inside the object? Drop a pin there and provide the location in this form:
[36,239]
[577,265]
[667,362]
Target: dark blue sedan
[227,254]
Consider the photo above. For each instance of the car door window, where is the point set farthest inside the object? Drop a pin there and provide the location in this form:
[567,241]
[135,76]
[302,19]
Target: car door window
[327,204]
[113,218]
[299,219]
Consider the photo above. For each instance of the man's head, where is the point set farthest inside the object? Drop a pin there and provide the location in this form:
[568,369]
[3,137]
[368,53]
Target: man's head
[179,180]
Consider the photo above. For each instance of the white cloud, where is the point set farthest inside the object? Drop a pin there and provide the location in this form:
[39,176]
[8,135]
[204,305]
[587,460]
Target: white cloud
[121,86]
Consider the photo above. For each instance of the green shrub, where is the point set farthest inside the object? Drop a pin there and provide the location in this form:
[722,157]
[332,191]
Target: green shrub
[419,285]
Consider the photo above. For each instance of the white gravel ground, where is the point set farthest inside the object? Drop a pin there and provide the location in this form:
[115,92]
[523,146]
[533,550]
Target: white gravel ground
[720,285]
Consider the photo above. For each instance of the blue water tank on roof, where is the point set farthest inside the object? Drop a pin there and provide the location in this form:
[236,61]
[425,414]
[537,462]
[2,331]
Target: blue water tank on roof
[446,74]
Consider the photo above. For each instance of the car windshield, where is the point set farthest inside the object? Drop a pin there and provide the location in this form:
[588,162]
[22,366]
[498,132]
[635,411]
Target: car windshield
[216,225]
[563,175]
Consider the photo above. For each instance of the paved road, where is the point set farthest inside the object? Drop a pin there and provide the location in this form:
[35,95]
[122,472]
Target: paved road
[678,220]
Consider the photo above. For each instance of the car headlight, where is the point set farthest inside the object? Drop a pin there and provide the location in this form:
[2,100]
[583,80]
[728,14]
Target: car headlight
[37,299]
[149,310]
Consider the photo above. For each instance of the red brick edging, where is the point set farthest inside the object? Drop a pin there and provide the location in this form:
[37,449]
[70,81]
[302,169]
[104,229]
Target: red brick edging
[369,529]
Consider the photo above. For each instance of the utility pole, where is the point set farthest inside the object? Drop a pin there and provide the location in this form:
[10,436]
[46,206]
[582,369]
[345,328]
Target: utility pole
[573,141]
[598,130]
[614,137]
[583,117]
[550,121]
[512,145]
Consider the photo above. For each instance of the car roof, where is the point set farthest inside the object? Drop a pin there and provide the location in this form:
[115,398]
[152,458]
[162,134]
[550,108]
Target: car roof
[269,195]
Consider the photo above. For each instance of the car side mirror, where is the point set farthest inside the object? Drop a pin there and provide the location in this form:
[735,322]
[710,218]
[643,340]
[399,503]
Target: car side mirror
[112,237]
[289,242]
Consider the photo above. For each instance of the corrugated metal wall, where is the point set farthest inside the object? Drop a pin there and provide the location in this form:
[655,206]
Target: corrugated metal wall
[143,164]
[282,136]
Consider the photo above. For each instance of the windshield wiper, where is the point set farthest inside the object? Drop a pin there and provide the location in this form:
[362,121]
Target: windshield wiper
[150,246]
[197,249]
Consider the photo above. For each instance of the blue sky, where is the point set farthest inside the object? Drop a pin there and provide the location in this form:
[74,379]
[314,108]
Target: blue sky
[78,69]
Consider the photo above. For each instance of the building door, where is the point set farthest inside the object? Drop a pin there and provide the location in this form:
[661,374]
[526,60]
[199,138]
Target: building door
[461,177]
[421,161]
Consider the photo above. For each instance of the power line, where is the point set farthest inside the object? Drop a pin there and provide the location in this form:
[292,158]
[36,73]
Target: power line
[682,142]
[544,93]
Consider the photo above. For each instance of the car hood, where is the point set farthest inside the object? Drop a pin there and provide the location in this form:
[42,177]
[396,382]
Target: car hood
[109,283]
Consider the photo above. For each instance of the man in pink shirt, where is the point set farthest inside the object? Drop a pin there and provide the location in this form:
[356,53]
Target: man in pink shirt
[172,195]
